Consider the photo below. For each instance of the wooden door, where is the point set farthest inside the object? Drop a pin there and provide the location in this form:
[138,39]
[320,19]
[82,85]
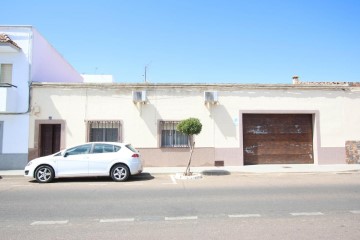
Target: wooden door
[49,139]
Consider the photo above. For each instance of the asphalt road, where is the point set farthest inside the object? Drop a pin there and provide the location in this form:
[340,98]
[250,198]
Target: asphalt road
[253,206]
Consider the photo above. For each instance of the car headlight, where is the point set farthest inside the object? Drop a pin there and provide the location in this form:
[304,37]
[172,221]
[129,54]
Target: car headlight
[29,163]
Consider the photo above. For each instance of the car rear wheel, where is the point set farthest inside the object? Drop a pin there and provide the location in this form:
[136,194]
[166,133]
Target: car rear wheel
[120,173]
[44,174]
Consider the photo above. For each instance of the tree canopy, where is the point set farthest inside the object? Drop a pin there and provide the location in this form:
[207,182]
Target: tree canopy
[190,126]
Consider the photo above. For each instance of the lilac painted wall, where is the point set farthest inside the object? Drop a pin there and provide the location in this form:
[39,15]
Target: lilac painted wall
[48,65]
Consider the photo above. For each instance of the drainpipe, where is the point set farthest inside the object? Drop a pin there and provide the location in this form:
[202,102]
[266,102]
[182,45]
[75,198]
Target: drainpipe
[28,107]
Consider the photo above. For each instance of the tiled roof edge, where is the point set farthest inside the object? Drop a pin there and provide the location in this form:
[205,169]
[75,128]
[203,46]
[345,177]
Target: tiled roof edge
[4,38]
[350,84]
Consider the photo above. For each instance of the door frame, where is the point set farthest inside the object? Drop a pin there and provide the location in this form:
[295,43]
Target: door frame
[37,133]
[49,133]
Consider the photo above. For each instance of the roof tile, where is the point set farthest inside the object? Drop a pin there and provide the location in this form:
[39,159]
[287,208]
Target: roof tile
[4,38]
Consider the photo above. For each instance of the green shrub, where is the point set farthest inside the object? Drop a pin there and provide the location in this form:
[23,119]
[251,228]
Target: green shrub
[190,126]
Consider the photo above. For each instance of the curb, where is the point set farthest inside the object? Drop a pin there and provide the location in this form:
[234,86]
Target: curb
[223,171]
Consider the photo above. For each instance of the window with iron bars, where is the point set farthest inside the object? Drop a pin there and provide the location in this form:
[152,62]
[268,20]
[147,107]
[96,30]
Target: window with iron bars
[170,137]
[104,131]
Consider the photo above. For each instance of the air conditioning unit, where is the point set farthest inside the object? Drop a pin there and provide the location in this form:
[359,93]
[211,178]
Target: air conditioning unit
[211,97]
[139,96]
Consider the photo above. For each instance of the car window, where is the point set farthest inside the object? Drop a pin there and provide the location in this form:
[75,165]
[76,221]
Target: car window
[105,148]
[131,148]
[83,149]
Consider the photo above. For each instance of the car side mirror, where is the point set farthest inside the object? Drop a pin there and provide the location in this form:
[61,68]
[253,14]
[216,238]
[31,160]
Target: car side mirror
[66,154]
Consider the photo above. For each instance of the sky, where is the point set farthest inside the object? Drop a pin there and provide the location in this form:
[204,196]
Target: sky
[200,41]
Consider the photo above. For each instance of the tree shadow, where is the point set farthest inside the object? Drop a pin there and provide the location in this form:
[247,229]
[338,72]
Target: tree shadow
[215,172]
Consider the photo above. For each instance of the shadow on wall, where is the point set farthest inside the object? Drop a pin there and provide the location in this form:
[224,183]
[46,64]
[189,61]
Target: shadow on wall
[223,120]
[150,115]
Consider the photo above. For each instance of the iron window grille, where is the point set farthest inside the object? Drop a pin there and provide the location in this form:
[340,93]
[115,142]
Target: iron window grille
[104,131]
[170,137]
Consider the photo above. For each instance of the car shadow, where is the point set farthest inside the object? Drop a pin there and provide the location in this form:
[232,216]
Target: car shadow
[135,178]
[141,177]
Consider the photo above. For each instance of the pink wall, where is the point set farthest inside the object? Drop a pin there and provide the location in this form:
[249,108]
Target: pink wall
[178,157]
[331,155]
[230,156]
[48,65]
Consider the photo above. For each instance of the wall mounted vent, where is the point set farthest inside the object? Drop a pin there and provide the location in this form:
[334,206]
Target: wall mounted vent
[211,97]
[139,96]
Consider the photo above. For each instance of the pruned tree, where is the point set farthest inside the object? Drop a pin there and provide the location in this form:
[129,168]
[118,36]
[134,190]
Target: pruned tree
[190,127]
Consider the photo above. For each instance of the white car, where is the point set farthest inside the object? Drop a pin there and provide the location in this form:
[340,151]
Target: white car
[117,160]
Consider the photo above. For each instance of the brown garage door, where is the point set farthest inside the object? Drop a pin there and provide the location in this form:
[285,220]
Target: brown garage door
[277,139]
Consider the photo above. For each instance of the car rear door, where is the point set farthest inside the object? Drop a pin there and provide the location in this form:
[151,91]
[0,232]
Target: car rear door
[74,162]
[101,158]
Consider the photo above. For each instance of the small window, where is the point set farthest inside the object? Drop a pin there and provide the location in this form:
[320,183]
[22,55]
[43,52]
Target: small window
[104,131]
[6,73]
[129,146]
[105,148]
[170,137]
[83,149]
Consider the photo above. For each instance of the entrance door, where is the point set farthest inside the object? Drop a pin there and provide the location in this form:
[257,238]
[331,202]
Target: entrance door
[49,139]
[278,139]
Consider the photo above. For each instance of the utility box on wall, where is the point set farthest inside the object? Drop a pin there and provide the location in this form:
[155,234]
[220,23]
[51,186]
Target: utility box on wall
[211,97]
[139,96]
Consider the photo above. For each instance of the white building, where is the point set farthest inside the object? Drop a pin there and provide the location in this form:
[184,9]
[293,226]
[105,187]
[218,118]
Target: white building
[25,57]
[314,123]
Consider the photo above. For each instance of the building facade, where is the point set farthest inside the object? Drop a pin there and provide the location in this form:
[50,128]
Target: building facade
[25,57]
[312,123]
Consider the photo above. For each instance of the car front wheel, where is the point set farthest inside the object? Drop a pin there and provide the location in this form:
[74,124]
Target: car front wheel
[44,174]
[120,173]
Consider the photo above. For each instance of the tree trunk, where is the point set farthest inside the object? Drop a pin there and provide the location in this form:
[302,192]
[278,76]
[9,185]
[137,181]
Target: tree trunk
[192,146]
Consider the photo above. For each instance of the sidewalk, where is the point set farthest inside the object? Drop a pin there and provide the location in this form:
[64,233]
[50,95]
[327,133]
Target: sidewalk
[278,168]
[270,168]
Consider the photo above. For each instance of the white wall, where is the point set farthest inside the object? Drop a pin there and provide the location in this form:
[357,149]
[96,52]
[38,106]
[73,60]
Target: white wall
[48,65]
[15,134]
[351,109]
[330,104]
[335,111]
